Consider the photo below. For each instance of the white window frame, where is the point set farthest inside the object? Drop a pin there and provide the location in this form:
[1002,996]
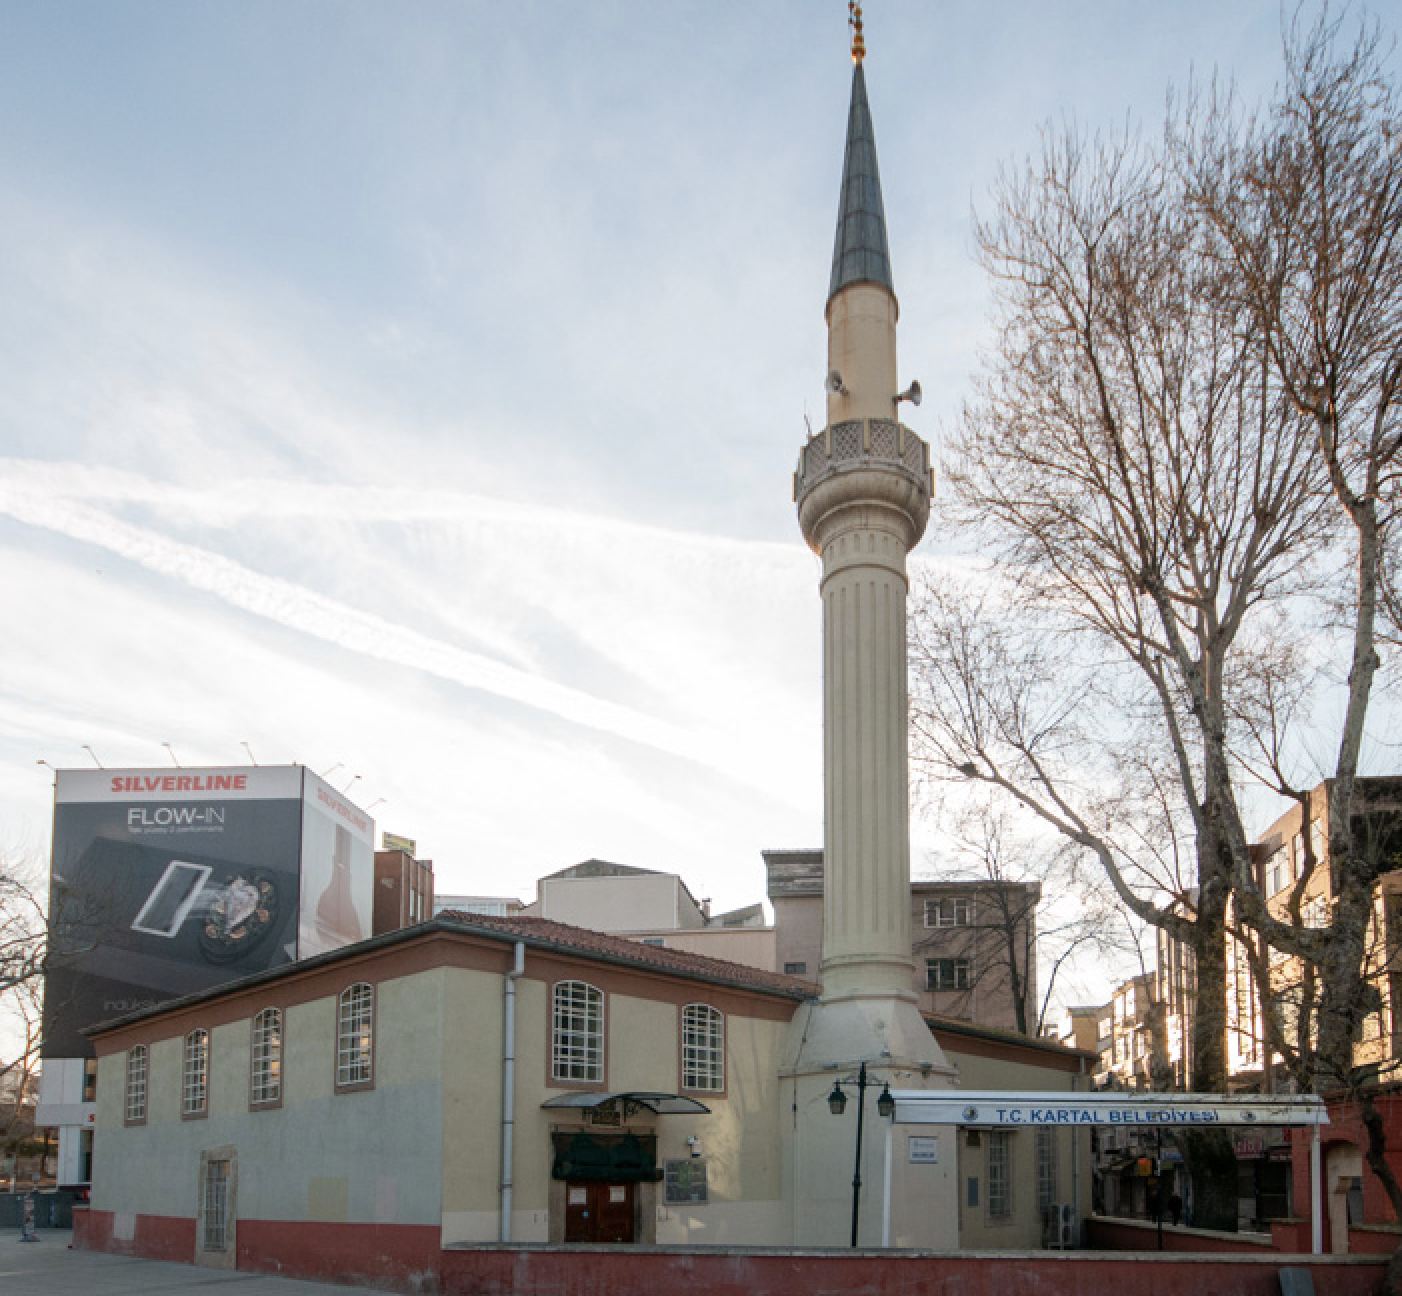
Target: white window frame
[703,1048]
[265,1059]
[958,914]
[577,1033]
[194,1079]
[355,1036]
[138,1073]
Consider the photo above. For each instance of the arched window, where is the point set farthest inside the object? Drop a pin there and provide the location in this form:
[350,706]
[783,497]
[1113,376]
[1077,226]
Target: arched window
[355,1036]
[703,1048]
[577,1037]
[265,1078]
[138,1065]
[194,1089]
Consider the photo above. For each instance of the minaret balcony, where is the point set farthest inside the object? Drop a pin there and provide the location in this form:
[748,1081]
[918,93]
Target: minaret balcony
[863,461]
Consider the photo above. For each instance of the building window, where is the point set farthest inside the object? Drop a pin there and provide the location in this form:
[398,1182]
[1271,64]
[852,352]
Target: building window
[1000,1186]
[355,1036]
[703,1048]
[216,1206]
[265,1082]
[795,969]
[194,1090]
[577,1037]
[138,1062]
[1046,1170]
[949,911]
[947,974]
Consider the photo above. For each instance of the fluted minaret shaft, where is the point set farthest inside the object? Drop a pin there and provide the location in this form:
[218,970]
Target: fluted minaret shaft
[863,490]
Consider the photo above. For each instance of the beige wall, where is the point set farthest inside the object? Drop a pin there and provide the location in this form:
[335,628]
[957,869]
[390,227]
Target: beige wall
[647,902]
[752,946]
[978,1229]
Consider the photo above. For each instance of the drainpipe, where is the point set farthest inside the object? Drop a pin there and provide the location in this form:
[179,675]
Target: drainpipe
[1316,1194]
[508,1085]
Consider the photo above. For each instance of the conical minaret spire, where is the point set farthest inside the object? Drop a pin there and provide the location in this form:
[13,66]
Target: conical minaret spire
[860,253]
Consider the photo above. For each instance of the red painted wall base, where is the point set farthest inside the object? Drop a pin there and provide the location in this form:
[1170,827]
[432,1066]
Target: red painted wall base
[407,1258]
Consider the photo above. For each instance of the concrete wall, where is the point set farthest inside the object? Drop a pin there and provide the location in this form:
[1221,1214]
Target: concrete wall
[646,902]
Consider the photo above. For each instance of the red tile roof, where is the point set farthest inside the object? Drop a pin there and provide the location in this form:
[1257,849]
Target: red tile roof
[581,940]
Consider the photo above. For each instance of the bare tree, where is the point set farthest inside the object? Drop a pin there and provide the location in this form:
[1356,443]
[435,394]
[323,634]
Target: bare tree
[1021,936]
[1184,458]
[23,950]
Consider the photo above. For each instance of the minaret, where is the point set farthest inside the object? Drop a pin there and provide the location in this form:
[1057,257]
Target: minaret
[863,489]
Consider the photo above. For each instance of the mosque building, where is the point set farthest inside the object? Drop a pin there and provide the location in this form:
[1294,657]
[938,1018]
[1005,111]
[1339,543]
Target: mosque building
[477,1080]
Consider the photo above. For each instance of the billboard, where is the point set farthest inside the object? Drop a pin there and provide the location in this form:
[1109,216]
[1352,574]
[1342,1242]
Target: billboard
[168,882]
[338,870]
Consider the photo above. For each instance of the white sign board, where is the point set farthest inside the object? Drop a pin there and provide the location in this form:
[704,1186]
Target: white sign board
[1017,1110]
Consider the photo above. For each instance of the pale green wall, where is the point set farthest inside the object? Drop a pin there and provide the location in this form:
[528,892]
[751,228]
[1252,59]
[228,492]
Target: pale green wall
[367,1156]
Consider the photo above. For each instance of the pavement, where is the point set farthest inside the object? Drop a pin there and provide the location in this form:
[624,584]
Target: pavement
[52,1267]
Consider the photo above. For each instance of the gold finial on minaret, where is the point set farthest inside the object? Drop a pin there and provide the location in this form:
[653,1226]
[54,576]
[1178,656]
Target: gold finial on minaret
[854,21]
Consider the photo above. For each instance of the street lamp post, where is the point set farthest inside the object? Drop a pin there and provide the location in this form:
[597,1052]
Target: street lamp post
[837,1104]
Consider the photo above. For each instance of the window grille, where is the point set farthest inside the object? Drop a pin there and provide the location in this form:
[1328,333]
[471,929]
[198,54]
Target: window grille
[1000,1188]
[265,1083]
[194,1099]
[577,1043]
[138,1063]
[216,1206]
[355,1035]
[703,1048]
[1046,1170]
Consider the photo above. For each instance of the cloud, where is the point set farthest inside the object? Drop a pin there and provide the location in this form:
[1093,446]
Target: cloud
[303,609]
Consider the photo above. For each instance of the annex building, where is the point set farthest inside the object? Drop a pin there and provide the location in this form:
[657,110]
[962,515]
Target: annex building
[480,1079]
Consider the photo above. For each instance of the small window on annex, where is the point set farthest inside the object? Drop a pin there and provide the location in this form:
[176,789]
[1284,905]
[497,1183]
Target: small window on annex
[703,1048]
[138,1066]
[265,1078]
[577,1033]
[194,1088]
[355,1036]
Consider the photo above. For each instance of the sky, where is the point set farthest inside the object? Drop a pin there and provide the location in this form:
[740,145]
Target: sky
[412,391]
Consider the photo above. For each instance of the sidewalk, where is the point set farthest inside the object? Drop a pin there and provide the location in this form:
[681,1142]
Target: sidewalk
[50,1266]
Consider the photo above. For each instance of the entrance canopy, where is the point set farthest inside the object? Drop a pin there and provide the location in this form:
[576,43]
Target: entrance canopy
[664,1104]
[995,1109]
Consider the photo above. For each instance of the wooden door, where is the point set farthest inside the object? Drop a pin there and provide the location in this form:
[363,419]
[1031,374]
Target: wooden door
[599,1212]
